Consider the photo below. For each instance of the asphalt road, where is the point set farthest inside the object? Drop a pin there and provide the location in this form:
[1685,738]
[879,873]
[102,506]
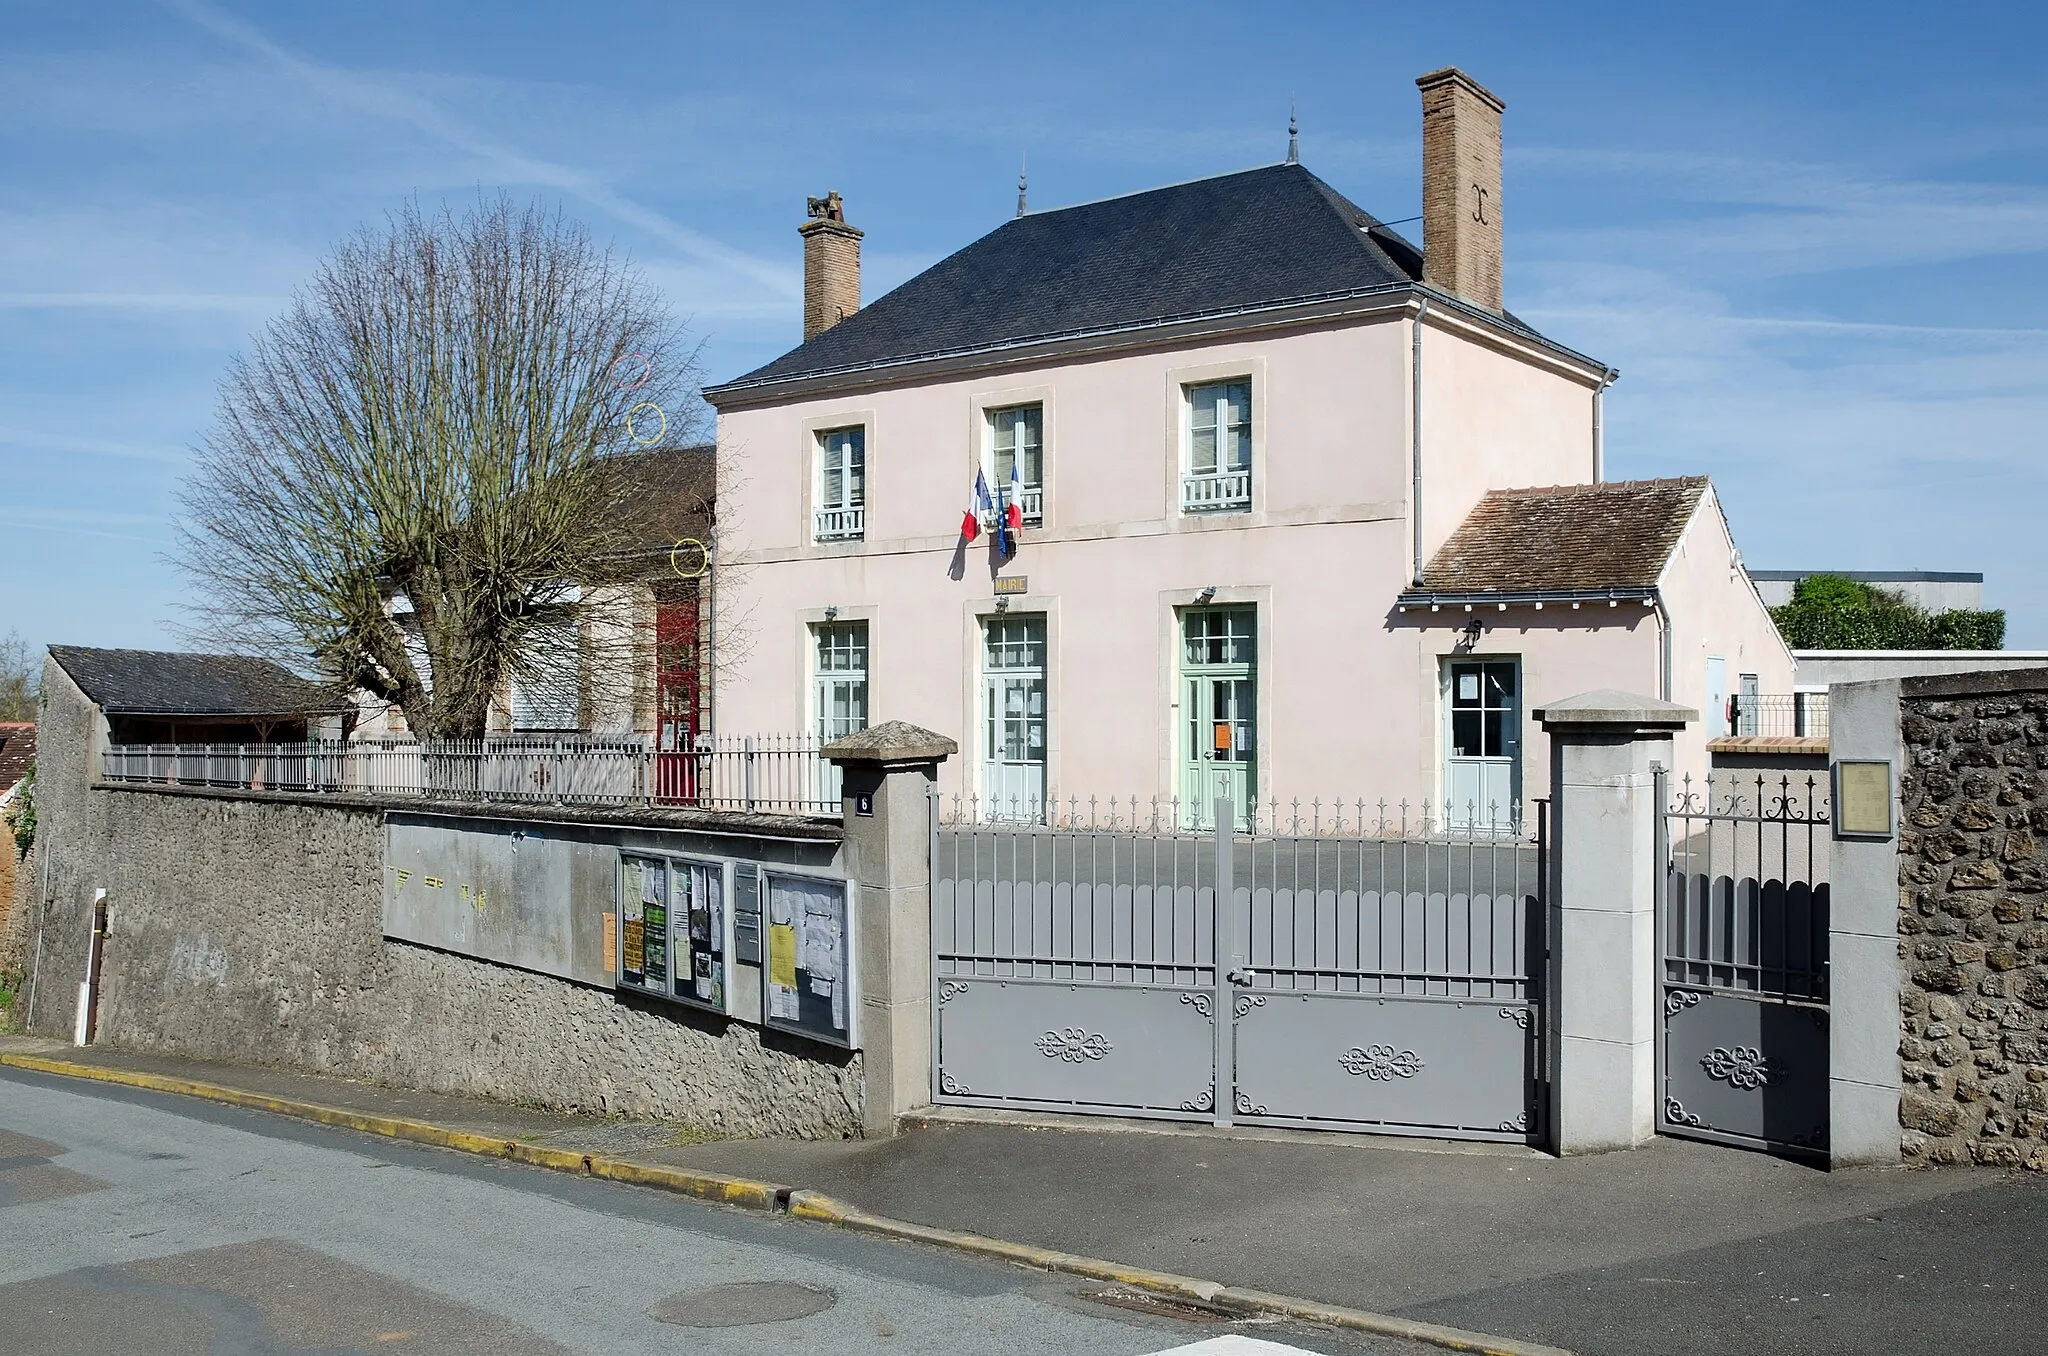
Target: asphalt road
[137,1223]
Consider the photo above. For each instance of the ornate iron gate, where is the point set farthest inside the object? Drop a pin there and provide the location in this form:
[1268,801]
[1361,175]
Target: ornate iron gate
[1743,1049]
[1352,976]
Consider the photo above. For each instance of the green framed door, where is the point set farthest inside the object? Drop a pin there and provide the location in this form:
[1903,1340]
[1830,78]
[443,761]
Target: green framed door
[1219,712]
[1013,713]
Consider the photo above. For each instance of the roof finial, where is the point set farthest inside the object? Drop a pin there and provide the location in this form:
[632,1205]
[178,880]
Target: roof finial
[1023,205]
[1293,134]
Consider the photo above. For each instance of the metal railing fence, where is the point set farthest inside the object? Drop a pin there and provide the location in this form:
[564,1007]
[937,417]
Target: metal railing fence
[1780,714]
[1318,816]
[1124,898]
[782,774]
[1746,885]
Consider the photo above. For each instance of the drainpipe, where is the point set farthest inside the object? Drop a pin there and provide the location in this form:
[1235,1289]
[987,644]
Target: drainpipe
[1415,431]
[87,1024]
[1663,645]
[1608,377]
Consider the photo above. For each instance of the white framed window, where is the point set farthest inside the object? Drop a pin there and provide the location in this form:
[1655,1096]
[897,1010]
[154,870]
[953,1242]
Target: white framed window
[1216,472]
[841,674]
[839,503]
[1016,440]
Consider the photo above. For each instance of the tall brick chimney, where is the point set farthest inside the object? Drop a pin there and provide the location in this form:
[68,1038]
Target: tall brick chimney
[1461,186]
[831,265]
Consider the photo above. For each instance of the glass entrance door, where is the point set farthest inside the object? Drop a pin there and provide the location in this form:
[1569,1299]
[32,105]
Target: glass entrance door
[1013,717]
[1219,712]
[1483,771]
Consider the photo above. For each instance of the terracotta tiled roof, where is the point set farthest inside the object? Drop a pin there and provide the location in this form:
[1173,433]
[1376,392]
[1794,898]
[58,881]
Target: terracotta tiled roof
[1616,535]
[17,751]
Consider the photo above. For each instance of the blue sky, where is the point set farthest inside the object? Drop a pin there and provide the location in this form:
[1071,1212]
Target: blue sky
[1813,237]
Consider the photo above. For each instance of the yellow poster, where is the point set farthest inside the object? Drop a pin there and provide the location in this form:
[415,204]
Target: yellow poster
[782,954]
[636,954]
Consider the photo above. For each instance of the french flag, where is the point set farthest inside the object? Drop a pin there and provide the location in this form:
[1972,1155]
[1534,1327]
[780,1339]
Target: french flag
[1013,514]
[978,503]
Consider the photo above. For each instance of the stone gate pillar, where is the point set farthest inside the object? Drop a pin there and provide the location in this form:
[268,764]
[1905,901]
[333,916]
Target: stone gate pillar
[888,774]
[1600,990]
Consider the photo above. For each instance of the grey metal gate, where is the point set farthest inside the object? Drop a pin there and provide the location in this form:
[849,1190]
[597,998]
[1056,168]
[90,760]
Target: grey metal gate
[1343,975]
[1743,1048]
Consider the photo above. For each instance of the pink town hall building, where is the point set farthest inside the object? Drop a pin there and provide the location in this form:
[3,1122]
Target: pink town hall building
[1306,511]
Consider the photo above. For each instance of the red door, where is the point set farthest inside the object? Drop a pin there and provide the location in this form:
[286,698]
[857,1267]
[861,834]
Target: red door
[675,695]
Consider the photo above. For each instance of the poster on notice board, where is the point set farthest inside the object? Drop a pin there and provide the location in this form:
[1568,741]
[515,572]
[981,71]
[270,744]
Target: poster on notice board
[809,980]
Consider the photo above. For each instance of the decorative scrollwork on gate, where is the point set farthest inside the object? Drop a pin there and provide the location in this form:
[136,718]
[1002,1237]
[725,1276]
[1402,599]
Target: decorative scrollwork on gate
[1677,1000]
[1380,1062]
[950,989]
[1247,1107]
[952,1086]
[1675,1112]
[1519,1016]
[1205,1101]
[1073,1044]
[1519,1125]
[1739,1066]
[1246,1002]
[1200,1003]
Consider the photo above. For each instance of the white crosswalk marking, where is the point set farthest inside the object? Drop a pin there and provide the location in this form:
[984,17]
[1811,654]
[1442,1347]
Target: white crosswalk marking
[1233,1345]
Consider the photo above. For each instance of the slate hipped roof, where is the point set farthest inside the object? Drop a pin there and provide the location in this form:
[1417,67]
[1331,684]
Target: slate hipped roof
[163,683]
[1252,240]
[1617,535]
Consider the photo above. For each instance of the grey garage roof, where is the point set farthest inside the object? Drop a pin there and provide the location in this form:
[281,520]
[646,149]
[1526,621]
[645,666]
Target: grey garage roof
[166,683]
[1257,239]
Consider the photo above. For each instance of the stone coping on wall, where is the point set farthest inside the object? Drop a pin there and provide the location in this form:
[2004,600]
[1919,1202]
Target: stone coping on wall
[644,817]
[1758,744]
[1982,683]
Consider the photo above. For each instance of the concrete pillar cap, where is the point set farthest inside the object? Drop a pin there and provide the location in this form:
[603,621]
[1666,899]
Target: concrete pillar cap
[893,741]
[1611,708]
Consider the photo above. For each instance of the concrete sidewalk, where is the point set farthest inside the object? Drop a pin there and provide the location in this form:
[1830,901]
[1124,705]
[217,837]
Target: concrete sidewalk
[1680,1246]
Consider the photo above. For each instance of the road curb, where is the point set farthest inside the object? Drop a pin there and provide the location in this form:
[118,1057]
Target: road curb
[809,1206]
[822,1209]
[735,1191]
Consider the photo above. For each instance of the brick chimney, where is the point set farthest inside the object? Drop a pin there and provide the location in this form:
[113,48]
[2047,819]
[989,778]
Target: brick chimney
[831,265]
[1461,186]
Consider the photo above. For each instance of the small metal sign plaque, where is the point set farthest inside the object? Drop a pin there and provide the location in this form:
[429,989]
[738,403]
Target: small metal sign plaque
[864,804]
[1863,798]
[1012,584]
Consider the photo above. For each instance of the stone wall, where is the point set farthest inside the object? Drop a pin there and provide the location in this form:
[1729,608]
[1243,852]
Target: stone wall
[1973,919]
[249,929]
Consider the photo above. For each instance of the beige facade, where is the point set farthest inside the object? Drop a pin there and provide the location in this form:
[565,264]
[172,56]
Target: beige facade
[1350,690]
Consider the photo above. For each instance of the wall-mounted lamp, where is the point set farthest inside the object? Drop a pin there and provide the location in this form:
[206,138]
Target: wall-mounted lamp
[831,614]
[1002,604]
[1474,629]
[1206,594]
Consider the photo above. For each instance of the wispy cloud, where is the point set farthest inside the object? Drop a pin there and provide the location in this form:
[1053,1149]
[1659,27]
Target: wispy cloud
[85,523]
[513,165]
[141,301]
[91,447]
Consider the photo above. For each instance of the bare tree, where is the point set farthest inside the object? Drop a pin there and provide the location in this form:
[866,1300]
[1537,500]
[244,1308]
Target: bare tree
[416,477]
[20,678]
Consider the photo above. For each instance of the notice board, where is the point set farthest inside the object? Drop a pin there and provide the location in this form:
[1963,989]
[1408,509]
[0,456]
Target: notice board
[674,931]
[809,987]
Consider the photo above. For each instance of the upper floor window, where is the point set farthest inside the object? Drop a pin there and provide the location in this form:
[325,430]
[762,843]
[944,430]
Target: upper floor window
[840,509]
[1016,444]
[1218,469]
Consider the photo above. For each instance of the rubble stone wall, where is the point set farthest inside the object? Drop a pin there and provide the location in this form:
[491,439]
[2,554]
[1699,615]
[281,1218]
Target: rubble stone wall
[1973,919]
